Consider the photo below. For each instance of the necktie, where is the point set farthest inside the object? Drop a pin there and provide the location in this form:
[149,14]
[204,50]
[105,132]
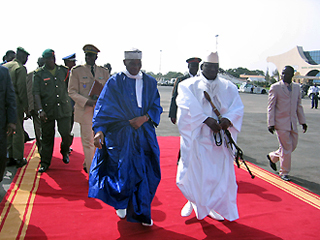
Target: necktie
[92,71]
[289,88]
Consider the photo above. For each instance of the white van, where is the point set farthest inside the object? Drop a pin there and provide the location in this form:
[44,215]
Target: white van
[250,88]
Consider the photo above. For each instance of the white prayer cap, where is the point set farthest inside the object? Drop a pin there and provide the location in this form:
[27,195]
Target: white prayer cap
[133,54]
[212,58]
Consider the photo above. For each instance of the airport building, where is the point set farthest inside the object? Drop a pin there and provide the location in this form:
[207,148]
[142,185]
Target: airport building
[305,63]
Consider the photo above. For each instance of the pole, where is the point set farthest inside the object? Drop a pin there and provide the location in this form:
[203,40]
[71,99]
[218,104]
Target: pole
[217,43]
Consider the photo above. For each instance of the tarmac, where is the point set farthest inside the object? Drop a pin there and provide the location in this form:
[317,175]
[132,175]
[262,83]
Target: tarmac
[254,139]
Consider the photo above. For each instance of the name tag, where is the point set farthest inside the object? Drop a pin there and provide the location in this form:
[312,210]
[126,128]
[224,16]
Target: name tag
[85,77]
[46,79]
[100,77]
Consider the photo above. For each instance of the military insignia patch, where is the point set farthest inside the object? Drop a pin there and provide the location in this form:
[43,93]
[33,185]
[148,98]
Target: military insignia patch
[46,79]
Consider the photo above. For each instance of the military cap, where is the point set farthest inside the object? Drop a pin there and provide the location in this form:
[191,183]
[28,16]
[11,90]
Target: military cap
[89,48]
[48,53]
[71,57]
[133,54]
[194,59]
[22,50]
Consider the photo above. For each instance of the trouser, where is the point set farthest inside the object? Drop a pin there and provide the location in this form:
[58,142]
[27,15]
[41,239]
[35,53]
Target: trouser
[87,144]
[288,141]
[314,101]
[47,138]
[15,142]
[3,152]
[37,129]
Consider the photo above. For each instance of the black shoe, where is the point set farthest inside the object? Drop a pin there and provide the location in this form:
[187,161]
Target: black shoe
[65,158]
[285,178]
[272,164]
[11,162]
[42,169]
[21,162]
[70,150]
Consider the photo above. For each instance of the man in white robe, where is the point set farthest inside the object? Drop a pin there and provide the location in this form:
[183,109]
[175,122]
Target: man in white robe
[205,172]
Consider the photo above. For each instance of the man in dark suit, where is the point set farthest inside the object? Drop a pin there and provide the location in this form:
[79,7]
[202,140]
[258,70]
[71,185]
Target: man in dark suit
[193,66]
[9,115]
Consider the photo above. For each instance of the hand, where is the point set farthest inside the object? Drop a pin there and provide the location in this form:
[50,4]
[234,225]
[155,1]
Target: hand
[304,127]
[212,124]
[98,139]
[271,129]
[43,116]
[11,128]
[225,123]
[91,102]
[138,121]
[173,120]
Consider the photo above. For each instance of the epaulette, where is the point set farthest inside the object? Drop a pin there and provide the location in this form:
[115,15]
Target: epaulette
[38,70]
[75,67]
[103,67]
[63,66]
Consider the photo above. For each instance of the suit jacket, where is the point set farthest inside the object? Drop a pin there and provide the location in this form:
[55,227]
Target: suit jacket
[80,82]
[284,107]
[7,100]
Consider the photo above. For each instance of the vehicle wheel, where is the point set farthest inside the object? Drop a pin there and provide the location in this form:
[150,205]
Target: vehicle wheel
[263,91]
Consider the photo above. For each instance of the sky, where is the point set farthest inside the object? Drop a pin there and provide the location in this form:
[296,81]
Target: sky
[168,32]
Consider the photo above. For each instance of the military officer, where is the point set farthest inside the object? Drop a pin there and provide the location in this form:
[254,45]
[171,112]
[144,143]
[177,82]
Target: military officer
[53,102]
[70,62]
[81,80]
[193,66]
[18,74]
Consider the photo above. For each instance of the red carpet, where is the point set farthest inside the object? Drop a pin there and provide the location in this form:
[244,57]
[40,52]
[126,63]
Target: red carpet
[55,205]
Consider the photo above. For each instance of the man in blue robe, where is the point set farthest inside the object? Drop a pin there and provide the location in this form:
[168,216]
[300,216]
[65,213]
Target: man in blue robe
[125,170]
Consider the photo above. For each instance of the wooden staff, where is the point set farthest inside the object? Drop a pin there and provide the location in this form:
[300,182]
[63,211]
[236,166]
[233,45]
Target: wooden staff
[239,154]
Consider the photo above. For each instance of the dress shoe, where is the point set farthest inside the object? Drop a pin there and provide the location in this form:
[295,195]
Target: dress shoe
[148,224]
[11,162]
[65,158]
[216,215]
[121,213]
[21,162]
[285,177]
[272,164]
[70,150]
[187,209]
[42,169]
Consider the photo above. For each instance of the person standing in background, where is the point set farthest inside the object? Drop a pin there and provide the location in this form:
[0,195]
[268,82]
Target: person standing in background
[193,66]
[33,111]
[18,74]
[314,96]
[81,80]
[8,112]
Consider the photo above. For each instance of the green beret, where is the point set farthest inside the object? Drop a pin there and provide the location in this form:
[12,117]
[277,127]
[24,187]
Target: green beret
[22,50]
[48,53]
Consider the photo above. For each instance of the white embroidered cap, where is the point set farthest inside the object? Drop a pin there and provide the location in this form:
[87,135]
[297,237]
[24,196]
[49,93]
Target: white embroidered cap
[133,54]
[212,58]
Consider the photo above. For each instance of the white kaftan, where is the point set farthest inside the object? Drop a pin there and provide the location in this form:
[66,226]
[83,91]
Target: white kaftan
[205,172]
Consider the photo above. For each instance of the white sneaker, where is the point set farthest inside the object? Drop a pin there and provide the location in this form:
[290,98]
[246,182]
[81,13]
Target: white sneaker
[148,224]
[121,213]
[187,209]
[216,215]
